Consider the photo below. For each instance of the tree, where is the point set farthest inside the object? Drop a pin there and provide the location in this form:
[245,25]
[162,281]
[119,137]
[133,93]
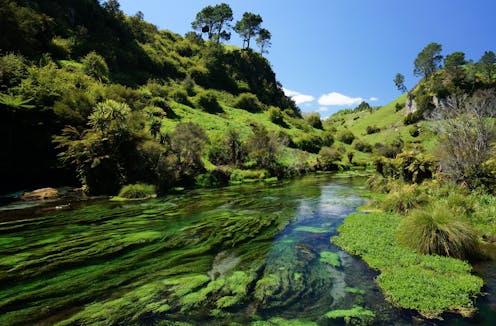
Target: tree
[454,59]
[94,65]
[263,146]
[487,64]
[466,131]
[399,81]
[212,20]
[186,145]
[248,27]
[428,60]
[263,40]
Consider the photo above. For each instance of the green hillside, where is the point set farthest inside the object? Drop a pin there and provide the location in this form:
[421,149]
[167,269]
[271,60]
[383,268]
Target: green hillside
[51,88]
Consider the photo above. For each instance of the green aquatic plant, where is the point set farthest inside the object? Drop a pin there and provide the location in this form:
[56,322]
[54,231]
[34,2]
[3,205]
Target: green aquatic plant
[354,316]
[330,258]
[405,273]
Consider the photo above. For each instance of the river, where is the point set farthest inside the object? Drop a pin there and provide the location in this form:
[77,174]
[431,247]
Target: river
[251,254]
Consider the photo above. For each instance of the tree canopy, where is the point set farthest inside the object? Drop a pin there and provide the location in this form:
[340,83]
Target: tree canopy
[428,60]
[454,59]
[399,81]
[248,27]
[487,64]
[263,40]
[212,20]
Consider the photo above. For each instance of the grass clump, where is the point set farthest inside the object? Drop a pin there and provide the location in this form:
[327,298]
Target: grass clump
[429,284]
[434,230]
[138,191]
[403,198]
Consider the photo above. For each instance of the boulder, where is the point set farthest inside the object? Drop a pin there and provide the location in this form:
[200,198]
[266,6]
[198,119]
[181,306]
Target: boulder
[40,194]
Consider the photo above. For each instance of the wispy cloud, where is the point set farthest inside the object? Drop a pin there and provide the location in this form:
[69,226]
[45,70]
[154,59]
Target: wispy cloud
[323,109]
[298,97]
[338,99]
[373,99]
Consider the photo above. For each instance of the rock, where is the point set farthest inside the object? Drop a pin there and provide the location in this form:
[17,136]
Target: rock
[40,194]
[410,105]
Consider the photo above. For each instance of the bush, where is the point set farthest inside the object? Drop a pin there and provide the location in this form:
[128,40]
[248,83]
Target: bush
[314,120]
[398,106]
[372,130]
[275,115]
[346,137]
[362,146]
[434,230]
[163,104]
[327,138]
[248,102]
[94,65]
[216,178]
[329,159]
[414,131]
[309,143]
[208,102]
[403,199]
[412,118]
[137,191]
[180,96]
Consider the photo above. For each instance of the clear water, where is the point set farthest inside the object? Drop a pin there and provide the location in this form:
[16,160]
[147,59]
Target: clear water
[244,255]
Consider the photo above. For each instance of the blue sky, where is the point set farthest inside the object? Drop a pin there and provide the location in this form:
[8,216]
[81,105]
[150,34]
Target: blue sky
[331,54]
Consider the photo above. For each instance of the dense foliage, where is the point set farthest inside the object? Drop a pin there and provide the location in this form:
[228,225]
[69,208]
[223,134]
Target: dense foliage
[111,102]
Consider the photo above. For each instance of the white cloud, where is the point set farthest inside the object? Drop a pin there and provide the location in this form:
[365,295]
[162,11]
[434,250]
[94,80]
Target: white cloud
[298,97]
[323,109]
[373,99]
[338,99]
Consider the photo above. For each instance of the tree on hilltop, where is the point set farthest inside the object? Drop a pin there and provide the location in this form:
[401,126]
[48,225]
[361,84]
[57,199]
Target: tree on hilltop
[213,20]
[428,60]
[248,27]
[263,40]
[487,64]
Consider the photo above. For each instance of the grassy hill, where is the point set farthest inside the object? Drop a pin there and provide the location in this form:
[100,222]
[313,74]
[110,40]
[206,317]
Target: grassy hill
[71,84]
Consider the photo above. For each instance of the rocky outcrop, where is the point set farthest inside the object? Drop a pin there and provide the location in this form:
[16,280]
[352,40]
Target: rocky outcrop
[410,105]
[40,194]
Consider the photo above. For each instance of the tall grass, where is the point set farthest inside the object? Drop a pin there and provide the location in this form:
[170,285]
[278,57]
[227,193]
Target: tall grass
[435,229]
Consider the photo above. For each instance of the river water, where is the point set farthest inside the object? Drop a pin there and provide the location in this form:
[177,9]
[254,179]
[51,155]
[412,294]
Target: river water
[251,254]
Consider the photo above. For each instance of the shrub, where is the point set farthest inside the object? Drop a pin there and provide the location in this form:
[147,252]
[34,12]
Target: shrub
[309,143]
[208,102]
[372,130]
[94,65]
[180,96]
[314,120]
[362,146]
[275,115]
[163,104]
[136,191]
[327,138]
[346,137]
[414,131]
[248,102]
[13,69]
[403,199]
[329,159]
[216,178]
[398,106]
[434,230]
[412,118]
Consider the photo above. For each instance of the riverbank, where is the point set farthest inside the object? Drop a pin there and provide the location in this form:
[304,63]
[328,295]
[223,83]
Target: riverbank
[431,284]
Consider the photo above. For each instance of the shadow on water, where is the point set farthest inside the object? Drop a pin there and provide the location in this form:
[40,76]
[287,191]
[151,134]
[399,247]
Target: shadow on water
[241,254]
